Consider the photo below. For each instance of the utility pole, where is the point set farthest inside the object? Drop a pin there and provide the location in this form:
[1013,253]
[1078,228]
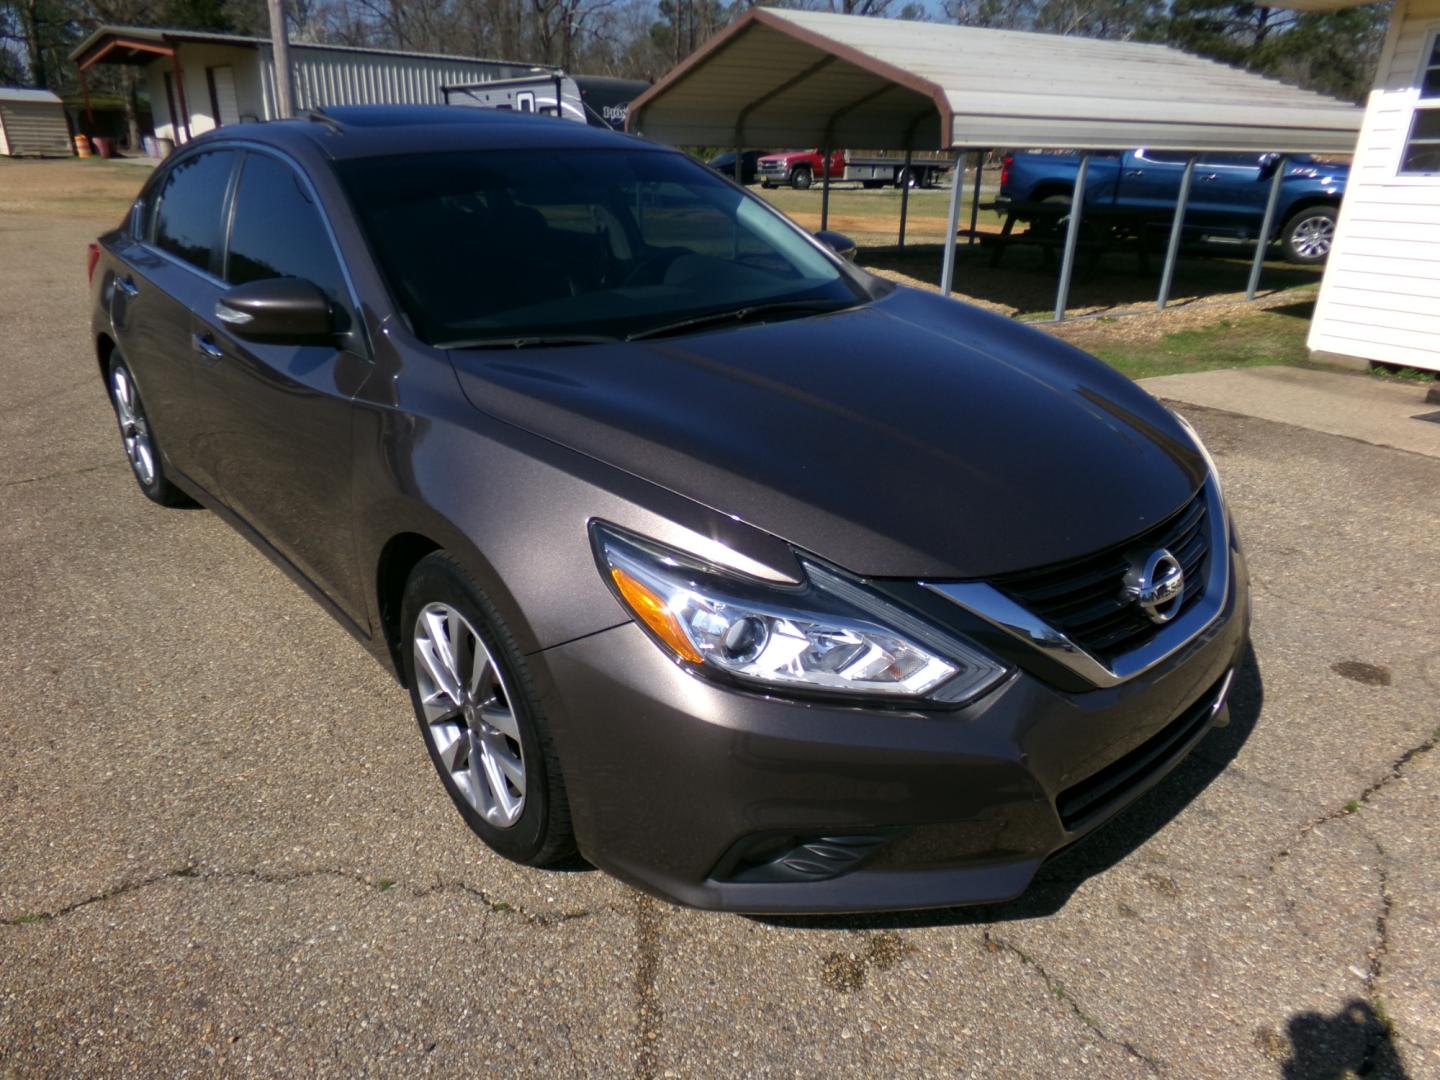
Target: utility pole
[280,48]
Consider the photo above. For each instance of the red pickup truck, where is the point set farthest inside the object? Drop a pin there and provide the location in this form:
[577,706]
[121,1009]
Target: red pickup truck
[873,168]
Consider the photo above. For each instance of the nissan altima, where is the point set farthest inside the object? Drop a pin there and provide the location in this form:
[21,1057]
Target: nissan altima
[758,581]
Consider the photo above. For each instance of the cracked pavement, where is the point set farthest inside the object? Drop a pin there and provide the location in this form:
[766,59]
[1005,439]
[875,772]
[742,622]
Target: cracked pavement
[224,851]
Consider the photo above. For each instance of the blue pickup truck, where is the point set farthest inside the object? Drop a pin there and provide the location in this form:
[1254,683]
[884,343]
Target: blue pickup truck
[1227,192]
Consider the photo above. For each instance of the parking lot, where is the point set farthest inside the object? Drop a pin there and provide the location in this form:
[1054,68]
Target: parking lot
[225,852]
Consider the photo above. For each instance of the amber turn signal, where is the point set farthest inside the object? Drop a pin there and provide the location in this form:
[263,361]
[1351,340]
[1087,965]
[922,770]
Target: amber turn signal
[652,611]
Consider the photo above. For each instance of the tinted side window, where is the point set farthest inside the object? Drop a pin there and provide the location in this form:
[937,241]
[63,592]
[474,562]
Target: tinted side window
[187,220]
[1238,161]
[278,232]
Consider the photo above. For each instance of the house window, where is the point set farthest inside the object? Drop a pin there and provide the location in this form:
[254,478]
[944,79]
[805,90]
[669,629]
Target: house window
[1421,155]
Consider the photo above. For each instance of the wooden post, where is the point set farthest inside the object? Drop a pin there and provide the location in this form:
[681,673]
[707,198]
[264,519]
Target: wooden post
[280,51]
[180,92]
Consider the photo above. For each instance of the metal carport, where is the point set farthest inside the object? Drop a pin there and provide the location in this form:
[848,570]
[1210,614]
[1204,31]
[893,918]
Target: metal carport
[801,78]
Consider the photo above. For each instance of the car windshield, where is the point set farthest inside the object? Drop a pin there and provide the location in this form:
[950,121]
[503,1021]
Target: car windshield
[539,245]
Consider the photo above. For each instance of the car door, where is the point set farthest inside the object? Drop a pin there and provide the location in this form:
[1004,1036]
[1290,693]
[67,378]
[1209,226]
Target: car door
[1150,181]
[171,258]
[1228,193]
[277,418]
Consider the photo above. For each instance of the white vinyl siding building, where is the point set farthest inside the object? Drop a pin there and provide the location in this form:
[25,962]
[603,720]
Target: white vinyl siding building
[199,81]
[32,123]
[1380,299]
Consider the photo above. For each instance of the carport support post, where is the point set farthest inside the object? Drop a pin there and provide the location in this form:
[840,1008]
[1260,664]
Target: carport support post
[1265,226]
[825,189]
[1176,227]
[905,195]
[947,270]
[975,197]
[1072,237]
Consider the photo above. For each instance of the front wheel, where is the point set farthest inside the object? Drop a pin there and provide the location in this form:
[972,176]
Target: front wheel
[138,438]
[801,178]
[1309,235]
[482,722]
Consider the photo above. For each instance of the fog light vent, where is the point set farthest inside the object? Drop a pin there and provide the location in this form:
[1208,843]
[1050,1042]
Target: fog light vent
[781,858]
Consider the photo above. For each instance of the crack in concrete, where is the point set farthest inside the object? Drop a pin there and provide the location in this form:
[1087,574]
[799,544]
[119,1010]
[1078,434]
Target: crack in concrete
[649,1013]
[193,871]
[1057,988]
[1349,616]
[63,473]
[1363,799]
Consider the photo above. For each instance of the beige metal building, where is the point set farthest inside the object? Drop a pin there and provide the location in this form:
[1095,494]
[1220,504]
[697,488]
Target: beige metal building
[1380,299]
[33,124]
[199,81]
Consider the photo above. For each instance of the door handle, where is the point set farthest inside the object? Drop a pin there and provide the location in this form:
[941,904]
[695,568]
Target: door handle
[206,347]
[1210,176]
[127,286]
[1134,172]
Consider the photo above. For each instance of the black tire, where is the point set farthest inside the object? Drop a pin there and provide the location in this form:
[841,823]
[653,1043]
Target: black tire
[871,185]
[135,430]
[1309,235]
[801,178]
[541,835]
[906,178]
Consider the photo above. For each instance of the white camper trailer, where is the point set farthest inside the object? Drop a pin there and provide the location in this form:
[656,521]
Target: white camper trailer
[593,100]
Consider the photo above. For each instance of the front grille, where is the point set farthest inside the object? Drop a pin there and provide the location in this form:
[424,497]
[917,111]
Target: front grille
[1083,600]
[1111,785]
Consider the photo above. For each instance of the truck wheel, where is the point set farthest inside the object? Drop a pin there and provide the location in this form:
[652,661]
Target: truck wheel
[801,178]
[1308,236]
[871,185]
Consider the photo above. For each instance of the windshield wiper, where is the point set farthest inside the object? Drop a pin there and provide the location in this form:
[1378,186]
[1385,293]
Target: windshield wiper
[741,314]
[529,341]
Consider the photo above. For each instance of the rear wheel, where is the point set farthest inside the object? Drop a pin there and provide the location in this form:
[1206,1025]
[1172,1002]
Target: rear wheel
[483,726]
[141,448]
[1309,235]
[801,178]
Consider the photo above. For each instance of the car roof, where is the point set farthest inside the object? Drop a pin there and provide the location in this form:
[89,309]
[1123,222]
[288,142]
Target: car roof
[357,131]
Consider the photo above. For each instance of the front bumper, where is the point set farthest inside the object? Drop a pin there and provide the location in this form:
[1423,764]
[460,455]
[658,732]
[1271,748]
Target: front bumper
[741,802]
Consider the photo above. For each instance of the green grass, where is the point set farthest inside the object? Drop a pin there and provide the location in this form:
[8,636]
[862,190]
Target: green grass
[1267,337]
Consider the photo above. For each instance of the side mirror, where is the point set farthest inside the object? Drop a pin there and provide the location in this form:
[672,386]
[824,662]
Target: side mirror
[1268,164]
[839,243]
[277,311]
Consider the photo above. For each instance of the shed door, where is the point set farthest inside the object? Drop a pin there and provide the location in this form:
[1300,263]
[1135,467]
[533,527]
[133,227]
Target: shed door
[222,89]
[36,128]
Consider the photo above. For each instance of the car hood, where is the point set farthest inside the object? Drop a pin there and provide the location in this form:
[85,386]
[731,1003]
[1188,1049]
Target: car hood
[909,437]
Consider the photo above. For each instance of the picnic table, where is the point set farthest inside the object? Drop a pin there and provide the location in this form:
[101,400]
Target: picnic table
[1102,229]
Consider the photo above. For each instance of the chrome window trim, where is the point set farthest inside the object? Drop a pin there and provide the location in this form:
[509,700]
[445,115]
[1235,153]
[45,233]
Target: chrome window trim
[989,603]
[241,147]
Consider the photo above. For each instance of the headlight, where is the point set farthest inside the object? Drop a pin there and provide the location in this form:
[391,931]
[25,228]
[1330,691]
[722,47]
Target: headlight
[826,635]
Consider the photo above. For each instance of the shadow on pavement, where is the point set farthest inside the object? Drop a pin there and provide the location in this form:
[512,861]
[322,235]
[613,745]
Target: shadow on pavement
[1353,1042]
[1058,878]
[1023,284]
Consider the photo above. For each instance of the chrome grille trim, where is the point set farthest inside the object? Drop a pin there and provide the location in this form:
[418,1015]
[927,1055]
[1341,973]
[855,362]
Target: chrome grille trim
[984,600]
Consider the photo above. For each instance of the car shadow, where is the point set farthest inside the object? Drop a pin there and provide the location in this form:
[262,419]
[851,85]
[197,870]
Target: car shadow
[1355,1041]
[1024,283]
[1096,853]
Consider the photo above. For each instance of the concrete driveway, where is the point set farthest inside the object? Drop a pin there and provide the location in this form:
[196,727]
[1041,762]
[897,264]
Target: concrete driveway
[224,850]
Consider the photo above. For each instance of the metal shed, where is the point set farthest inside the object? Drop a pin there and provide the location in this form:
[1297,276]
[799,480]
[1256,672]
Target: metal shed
[33,124]
[200,80]
[801,78]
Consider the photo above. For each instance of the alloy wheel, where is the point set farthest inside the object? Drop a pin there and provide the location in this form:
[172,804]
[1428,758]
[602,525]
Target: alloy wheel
[1312,237]
[134,431]
[470,718]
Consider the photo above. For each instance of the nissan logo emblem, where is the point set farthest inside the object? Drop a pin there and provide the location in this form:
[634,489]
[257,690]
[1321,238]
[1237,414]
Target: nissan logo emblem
[1157,586]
